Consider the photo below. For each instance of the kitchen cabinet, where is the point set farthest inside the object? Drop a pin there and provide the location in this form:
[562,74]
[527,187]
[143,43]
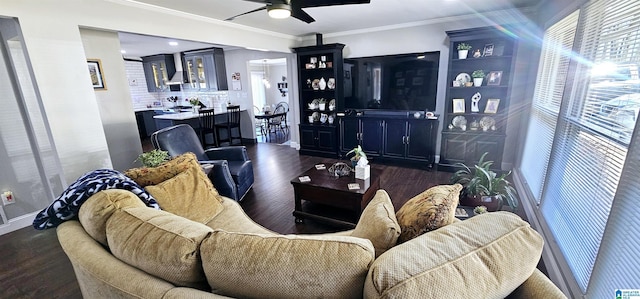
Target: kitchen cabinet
[158,69]
[319,140]
[320,80]
[146,123]
[205,70]
[475,117]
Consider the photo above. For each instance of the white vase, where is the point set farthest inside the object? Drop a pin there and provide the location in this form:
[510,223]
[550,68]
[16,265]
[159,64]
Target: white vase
[322,106]
[462,54]
[322,84]
[477,82]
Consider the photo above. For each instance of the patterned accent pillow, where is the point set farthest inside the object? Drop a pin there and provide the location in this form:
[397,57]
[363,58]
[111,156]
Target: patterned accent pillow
[146,176]
[427,211]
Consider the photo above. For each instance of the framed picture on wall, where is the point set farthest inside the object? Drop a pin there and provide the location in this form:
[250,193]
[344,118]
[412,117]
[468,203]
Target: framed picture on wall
[95,73]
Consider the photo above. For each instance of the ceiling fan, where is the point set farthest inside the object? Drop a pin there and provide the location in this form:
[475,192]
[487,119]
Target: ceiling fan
[280,9]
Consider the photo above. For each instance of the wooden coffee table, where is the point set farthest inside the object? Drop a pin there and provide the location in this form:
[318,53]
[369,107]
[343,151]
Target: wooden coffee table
[328,190]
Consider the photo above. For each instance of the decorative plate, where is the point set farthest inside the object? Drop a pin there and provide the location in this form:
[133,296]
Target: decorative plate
[332,105]
[487,122]
[331,84]
[316,116]
[459,121]
[463,77]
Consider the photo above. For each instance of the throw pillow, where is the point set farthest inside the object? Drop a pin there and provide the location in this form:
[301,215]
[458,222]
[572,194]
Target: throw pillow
[159,243]
[242,265]
[378,223]
[486,256]
[95,212]
[189,194]
[146,176]
[427,211]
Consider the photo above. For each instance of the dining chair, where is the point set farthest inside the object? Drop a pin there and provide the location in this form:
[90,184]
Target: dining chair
[207,120]
[259,126]
[232,121]
[277,122]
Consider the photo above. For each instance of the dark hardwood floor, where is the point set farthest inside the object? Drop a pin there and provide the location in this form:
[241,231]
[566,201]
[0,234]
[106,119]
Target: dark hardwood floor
[33,264]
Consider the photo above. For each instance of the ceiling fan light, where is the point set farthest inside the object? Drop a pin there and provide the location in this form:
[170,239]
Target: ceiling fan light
[279,11]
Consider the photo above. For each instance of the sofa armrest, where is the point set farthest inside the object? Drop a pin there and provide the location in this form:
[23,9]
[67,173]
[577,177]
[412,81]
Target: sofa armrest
[233,153]
[221,178]
[537,286]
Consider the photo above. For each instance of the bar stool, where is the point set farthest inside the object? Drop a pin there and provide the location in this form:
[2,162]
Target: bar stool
[233,121]
[207,120]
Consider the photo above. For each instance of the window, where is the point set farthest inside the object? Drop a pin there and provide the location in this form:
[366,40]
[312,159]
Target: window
[584,114]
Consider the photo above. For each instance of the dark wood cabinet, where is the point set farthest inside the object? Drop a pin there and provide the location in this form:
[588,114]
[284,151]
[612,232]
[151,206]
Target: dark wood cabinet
[205,70]
[158,70]
[320,80]
[475,117]
[411,140]
[391,138]
[366,132]
[318,140]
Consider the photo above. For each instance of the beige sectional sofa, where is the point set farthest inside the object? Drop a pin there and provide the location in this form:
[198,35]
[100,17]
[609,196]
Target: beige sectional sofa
[120,248]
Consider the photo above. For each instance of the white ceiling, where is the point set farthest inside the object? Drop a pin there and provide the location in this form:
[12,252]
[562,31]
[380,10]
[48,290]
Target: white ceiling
[332,19]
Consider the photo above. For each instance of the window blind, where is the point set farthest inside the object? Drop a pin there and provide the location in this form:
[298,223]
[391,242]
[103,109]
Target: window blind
[552,74]
[592,139]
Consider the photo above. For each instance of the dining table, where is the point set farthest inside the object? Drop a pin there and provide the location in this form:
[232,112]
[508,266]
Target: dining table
[265,118]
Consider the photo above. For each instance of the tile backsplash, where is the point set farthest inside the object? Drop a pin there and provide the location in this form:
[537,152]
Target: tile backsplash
[142,98]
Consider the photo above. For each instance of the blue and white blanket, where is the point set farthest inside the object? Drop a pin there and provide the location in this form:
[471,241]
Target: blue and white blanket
[67,205]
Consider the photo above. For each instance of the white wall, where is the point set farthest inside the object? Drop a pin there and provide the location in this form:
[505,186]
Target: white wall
[114,102]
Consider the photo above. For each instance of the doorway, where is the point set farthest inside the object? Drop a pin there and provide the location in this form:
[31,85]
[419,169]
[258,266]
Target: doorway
[270,94]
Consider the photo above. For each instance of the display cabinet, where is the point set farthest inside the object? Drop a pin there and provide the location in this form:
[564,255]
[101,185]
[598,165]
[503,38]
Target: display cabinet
[158,69]
[476,113]
[321,95]
[205,70]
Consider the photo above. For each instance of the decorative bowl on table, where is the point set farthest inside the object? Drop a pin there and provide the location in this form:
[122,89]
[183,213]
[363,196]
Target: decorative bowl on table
[340,169]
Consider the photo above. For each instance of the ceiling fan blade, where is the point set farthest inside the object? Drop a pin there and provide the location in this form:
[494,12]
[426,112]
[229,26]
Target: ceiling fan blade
[299,14]
[318,3]
[248,12]
[259,1]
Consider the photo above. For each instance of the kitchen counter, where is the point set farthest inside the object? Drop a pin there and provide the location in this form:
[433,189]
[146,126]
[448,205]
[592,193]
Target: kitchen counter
[187,115]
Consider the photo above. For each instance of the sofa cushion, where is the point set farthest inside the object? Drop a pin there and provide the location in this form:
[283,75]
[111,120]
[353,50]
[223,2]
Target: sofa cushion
[490,254]
[234,219]
[189,194]
[427,211]
[286,266]
[378,223]
[146,176]
[95,212]
[159,243]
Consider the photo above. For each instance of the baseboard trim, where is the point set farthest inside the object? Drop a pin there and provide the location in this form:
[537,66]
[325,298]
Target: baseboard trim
[18,223]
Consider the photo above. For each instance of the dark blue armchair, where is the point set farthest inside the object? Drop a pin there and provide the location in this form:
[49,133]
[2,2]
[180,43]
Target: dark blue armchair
[232,172]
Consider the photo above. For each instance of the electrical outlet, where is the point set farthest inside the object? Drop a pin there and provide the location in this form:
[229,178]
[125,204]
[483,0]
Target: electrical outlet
[8,198]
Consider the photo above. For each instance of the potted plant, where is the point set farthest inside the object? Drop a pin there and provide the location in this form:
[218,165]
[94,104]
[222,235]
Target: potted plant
[478,77]
[153,158]
[463,50]
[322,103]
[481,186]
[358,153]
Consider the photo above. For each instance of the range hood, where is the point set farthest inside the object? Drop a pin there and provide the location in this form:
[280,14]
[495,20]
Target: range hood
[177,79]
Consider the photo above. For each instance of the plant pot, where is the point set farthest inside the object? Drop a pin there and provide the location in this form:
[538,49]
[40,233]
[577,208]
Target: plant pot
[322,106]
[462,54]
[491,202]
[477,82]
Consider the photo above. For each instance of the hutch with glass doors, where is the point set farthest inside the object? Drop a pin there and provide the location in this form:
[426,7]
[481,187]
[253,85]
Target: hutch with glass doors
[478,96]
[321,95]
[158,69]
